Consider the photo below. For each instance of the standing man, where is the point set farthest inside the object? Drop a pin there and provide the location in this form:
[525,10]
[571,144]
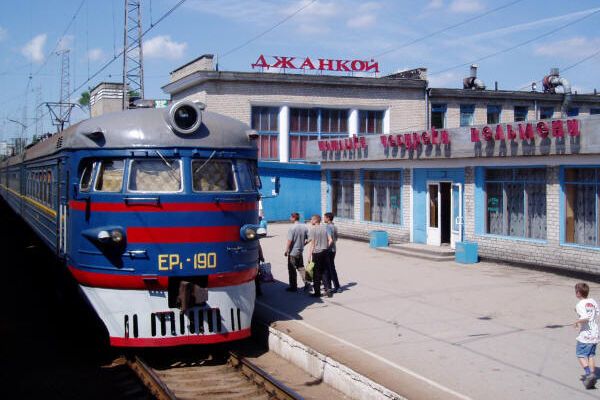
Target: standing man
[319,242]
[332,231]
[296,239]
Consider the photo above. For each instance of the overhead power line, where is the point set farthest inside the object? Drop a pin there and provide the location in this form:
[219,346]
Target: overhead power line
[521,44]
[117,56]
[54,50]
[568,67]
[466,21]
[263,33]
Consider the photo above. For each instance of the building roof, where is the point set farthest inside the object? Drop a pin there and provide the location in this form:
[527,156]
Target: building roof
[200,77]
[491,95]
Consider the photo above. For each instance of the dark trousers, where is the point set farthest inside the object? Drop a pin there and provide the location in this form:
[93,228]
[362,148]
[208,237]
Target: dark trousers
[294,263]
[321,271]
[333,277]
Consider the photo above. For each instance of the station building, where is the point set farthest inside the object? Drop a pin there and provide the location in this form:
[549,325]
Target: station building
[517,172]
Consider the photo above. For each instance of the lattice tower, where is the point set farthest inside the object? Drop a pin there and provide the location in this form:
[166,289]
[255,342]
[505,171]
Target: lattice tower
[133,57]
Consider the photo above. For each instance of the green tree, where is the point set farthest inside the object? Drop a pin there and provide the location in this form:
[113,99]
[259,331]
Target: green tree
[84,100]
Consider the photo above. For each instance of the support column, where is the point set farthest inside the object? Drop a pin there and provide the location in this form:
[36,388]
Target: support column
[284,134]
[386,122]
[353,122]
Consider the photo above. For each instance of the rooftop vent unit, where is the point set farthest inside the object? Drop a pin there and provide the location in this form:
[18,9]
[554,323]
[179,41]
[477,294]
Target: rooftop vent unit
[472,82]
[554,80]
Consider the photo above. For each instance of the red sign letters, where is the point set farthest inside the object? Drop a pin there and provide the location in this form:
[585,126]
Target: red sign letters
[352,143]
[412,140]
[322,64]
[527,131]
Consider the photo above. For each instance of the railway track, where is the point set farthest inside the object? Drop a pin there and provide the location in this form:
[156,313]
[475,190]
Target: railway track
[225,377]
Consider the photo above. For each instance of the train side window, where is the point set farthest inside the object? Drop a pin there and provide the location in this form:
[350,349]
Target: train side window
[155,176]
[213,176]
[86,177]
[110,176]
[247,176]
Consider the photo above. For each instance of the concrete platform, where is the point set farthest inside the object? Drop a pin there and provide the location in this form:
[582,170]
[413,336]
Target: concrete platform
[420,329]
[422,251]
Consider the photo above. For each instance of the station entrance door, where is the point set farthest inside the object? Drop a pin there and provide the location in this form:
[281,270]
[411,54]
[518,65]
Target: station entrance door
[444,213]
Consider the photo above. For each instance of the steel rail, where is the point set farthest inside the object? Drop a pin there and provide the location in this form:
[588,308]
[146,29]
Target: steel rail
[261,378]
[149,378]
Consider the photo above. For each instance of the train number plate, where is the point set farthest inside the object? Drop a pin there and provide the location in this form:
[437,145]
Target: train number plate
[169,262]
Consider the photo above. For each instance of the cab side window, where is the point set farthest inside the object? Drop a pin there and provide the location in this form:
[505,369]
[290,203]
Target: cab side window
[86,176]
[110,176]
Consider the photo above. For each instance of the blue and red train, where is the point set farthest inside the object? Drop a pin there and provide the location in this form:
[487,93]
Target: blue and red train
[155,213]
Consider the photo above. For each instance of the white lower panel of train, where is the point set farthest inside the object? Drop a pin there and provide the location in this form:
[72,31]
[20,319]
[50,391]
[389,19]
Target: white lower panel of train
[142,318]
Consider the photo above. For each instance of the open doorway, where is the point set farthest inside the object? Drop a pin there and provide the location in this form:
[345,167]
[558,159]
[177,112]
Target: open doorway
[445,212]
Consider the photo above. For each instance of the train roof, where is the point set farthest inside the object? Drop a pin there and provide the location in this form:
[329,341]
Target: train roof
[142,128]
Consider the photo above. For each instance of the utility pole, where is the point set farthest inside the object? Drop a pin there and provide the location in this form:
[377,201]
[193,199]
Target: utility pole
[65,83]
[133,57]
[61,111]
[38,111]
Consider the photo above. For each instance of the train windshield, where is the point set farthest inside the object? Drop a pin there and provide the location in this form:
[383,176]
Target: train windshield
[86,177]
[213,176]
[155,176]
[110,176]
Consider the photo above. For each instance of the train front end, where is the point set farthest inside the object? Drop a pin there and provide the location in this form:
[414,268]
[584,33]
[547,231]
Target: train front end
[163,226]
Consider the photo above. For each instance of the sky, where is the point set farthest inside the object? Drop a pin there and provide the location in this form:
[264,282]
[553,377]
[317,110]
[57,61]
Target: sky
[514,42]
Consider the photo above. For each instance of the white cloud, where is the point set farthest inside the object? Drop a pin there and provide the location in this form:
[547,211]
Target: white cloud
[163,47]
[574,47]
[65,43]
[365,16]
[34,49]
[466,6]
[362,21]
[3,33]
[445,79]
[434,5]
[96,55]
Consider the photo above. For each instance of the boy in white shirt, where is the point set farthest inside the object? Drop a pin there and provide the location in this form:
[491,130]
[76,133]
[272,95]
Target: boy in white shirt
[587,310]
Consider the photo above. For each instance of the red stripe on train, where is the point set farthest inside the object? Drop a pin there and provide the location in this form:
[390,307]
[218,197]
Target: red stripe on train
[155,282]
[184,234]
[162,207]
[179,340]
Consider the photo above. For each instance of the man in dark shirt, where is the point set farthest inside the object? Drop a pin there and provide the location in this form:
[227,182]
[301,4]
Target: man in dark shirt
[296,238]
[319,242]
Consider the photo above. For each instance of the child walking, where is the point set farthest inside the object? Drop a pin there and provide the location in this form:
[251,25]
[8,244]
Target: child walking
[587,310]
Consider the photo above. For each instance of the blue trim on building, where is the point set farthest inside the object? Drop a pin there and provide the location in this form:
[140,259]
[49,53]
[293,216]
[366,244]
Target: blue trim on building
[300,188]
[419,212]
[479,216]
[561,206]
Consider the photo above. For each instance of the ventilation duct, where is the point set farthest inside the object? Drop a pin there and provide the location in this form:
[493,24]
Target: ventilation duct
[472,82]
[554,80]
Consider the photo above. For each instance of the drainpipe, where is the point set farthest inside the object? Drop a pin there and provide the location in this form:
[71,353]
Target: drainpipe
[552,81]
[427,113]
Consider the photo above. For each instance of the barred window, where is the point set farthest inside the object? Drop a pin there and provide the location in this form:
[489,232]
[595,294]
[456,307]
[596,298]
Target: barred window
[467,112]
[521,113]
[265,122]
[342,194]
[546,112]
[334,121]
[213,176]
[370,122]
[493,114]
[382,193]
[110,176]
[155,176]
[582,196]
[438,116]
[516,202]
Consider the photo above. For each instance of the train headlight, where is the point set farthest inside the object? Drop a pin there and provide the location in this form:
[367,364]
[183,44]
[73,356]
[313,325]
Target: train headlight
[103,236]
[252,232]
[116,236]
[185,117]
